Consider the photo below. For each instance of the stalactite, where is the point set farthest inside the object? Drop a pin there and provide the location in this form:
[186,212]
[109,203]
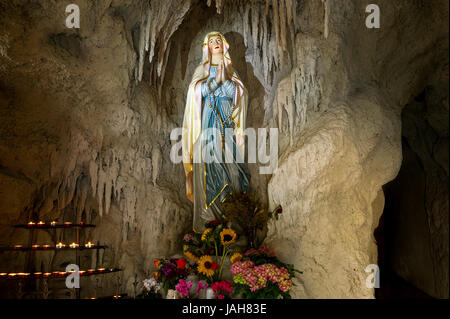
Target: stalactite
[265,46]
[152,43]
[246,28]
[266,9]
[93,174]
[276,24]
[164,64]
[101,191]
[255,23]
[326,17]
[156,160]
[261,23]
[141,49]
[147,29]
[269,44]
[284,100]
[219,5]
[289,11]
[282,12]
[82,194]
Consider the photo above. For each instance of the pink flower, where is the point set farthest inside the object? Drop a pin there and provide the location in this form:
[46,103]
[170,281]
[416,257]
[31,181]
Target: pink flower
[219,287]
[200,286]
[256,277]
[183,287]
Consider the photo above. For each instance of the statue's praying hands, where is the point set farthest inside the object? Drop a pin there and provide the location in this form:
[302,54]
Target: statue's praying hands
[221,76]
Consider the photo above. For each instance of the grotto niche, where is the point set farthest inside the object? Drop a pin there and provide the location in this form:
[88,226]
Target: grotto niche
[89,115]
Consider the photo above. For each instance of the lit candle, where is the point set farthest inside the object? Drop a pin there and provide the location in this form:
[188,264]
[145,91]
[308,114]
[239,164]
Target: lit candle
[60,245]
[46,247]
[101,269]
[82,272]
[55,274]
[91,271]
[47,274]
[81,223]
[35,247]
[53,223]
[62,274]
[41,223]
[17,247]
[3,275]
[31,224]
[73,245]
[12,275]
[67,224]
[89,245]
[23,274]
[37,274]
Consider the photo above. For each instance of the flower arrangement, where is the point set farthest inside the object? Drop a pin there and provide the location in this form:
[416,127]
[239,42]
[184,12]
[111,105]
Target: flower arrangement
[201,286]
[210,249]
[255,273]
[222,289]
[184,287]
[152,288]
[245,210]
[170,271]
[261,275]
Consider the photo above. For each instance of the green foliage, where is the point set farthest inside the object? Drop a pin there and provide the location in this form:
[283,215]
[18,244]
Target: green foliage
[245,210]
[260,260]
[149,295]
[271,291]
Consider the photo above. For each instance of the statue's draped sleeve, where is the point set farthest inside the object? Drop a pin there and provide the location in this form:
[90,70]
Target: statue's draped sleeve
[192,119]
[240,102]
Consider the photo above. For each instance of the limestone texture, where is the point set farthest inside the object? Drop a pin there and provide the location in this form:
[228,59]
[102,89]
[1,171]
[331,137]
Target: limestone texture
[87,114]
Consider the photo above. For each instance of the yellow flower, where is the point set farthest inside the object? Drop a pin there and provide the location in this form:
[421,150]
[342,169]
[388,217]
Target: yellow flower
[235,257]
[227,236]
[206,266]
[191,256]
[205,233]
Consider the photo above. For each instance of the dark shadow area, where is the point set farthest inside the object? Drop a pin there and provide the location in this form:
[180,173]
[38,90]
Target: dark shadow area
[412,234]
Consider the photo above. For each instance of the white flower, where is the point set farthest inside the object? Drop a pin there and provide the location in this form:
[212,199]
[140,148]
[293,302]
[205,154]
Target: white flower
[152,284]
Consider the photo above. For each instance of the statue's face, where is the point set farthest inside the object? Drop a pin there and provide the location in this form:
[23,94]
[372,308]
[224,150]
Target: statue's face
[215,44]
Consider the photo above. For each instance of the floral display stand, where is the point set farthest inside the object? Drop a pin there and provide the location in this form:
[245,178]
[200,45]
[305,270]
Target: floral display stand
[216,265]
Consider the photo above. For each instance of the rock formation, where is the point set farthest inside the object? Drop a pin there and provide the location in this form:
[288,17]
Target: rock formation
[87,115]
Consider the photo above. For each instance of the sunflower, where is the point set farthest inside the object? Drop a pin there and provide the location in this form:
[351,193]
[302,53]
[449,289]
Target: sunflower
[207,266]
[191,256]
[227,236]
[235,257]
[205,233]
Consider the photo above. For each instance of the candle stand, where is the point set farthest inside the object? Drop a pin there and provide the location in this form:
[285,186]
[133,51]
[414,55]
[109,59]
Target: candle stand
[29,276]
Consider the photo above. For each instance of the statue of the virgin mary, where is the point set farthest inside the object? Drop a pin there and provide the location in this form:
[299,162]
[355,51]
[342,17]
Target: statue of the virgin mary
[216,101]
